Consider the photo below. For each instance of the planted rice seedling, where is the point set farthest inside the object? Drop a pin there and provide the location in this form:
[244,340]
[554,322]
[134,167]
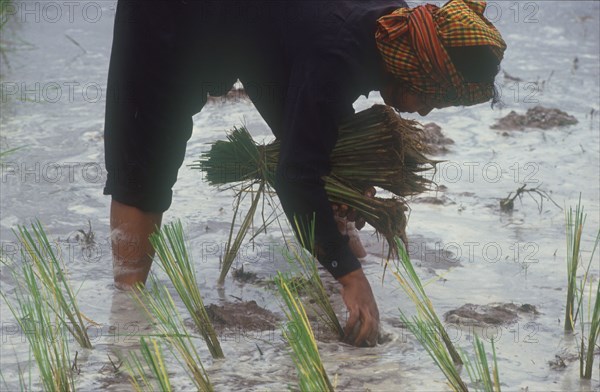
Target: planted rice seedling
[152,358]
[427,333]
[43,325]
[586,356]
[169,244]
[53,284]
[586,353]
[312,284]
[159,305]
[574,226]
[575,221]
[482,377]
[305,353]
[232,247]
[411,284]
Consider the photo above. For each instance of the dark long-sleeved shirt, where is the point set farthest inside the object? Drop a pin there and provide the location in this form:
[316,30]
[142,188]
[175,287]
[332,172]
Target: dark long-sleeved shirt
[302,63]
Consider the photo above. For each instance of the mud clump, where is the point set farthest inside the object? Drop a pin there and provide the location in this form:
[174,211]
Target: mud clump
[433,140]
[442,200]
[241,276]
[537,117]
[491,314]
[235,95]
[241,316]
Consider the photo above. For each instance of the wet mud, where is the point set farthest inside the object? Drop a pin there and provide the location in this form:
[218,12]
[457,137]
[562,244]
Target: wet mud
[235,95]
[538,117]
[491,314]
[433,140]
[245,316]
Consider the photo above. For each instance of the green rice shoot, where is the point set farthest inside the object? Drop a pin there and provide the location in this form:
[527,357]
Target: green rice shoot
[481,376]
[305,263]
[152,359]
[233,244]
[54,286]
[411,284]
[304,351]
[159,305]
[586,361]
[427,333]
[586,351]
[43,326]
[170,246]
[575,219]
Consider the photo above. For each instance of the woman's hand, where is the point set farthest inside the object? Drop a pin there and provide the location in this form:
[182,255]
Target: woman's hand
[362,327]
[350,214]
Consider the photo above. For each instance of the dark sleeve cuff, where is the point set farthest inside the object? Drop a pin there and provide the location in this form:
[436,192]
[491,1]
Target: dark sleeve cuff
[339,261]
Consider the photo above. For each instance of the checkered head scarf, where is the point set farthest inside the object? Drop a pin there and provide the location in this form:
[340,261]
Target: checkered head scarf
[412,43]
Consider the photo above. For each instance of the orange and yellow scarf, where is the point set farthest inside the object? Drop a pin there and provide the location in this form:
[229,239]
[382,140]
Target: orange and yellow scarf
[412,40]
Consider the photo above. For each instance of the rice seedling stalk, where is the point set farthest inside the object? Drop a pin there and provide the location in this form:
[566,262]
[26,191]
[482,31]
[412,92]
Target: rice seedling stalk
[48,270]
[153,359]
[305,353]
[5,153]
[304,262]
[575,221]
[427,333]
[33,313]
[586,357]
[479,372]
[586,360]
[411,284]
[232,248]
[169,244]
[159,305]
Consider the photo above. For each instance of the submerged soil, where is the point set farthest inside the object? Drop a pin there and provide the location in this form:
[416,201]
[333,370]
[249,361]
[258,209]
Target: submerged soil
[491,314]
[537,117]
[246,316]
[433,140]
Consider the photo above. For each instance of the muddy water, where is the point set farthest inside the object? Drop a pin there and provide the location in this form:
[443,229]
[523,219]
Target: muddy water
[53,85]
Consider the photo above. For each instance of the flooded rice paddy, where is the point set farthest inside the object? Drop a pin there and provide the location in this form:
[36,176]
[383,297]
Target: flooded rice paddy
[54,68]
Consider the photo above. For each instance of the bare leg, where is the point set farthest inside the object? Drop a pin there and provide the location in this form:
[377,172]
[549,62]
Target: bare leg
[131,249]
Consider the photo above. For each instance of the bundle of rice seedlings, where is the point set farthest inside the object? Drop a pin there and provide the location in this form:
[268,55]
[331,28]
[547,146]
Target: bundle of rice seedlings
[169,244]
[411,284]
[574,227]
[56,290]
[375,147]
[479,369]
[305,263]
[43,325]
[427,333]
[305,353]
[159,305]
[152,358]
[386,215]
